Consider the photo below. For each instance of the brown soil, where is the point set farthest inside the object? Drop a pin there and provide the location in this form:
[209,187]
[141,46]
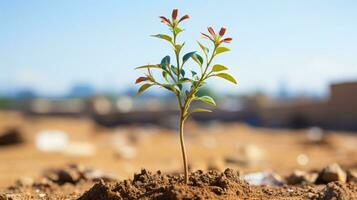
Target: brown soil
[202,185]
[212,146]
[211,185]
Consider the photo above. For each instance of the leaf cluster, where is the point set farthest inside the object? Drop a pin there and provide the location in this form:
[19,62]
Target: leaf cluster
[184,81]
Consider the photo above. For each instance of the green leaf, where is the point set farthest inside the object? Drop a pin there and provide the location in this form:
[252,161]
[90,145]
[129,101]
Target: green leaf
[200,110]
[221,50]
[193,73]
[163,36]
[147,66]
[178,47]
[182,72]
[226,76]
[165,62]
[218,67]
[164,74]
[177,30]
[204,49]
[169,87]
[198,59]
[206,99]
[143,88]
[174,69]
[188,56]
[183,80]
[179,85]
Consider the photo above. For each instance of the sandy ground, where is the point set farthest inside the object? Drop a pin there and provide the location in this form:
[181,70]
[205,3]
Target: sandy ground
[248,149]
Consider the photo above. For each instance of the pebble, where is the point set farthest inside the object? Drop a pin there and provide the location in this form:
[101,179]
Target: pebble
[301,177]
[352,175]
[331,173]
[25,181]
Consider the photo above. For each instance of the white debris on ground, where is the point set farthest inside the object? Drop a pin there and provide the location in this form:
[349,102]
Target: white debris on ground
[51,140]
[58,141]
[263,178]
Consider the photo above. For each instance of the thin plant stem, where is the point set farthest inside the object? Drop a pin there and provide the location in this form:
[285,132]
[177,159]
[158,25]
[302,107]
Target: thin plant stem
[183,148]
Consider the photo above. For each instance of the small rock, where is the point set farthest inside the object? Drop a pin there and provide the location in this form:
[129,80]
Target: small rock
[301,177]
[10,137]
[62,176]
[352,176]
[24,181]
[332,173]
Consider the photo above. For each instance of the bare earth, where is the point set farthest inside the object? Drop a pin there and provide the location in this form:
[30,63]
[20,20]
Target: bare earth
[123,151]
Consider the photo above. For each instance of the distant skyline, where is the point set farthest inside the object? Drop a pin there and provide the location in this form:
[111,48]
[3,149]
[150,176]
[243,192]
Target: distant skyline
[49,46]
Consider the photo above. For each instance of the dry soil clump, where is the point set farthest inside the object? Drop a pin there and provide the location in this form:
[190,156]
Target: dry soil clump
[211,185]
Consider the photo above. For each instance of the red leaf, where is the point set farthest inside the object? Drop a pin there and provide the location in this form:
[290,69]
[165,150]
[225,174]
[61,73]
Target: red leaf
[174,14]
[141,79]
[211,31]
[206,36]
[165,20]
[227,40]
[222,31]
[183,18]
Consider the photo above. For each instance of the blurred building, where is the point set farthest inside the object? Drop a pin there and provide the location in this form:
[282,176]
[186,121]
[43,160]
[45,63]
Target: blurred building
[338,111]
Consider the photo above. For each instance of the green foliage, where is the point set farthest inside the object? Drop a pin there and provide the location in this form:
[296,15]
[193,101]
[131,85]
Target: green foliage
[200,110]
[174,73]
[144,87]
[221,50]
[226,76]
[147,66]
[206,99]
[187,56]
[218,68]
[163,36]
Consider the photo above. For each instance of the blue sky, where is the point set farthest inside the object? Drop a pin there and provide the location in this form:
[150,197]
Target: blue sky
[50,45]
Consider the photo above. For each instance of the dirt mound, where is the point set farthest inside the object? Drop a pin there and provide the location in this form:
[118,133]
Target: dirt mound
[149,185]
[210,185]
[83,183]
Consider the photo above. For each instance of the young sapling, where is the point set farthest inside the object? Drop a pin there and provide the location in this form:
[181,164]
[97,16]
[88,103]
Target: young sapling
[182,81]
